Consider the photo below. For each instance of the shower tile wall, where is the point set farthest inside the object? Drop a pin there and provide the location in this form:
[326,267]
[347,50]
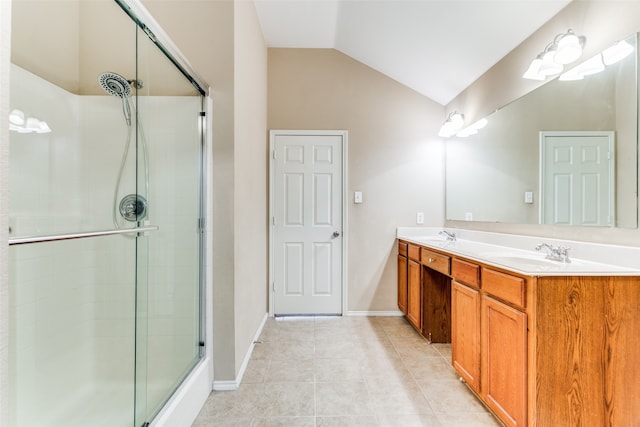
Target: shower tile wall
[73,307]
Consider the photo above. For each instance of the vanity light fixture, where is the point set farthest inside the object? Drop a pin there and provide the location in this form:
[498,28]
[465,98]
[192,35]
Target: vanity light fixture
[452,125]
[569,47]
[564,49]
[598,63]
[472,129]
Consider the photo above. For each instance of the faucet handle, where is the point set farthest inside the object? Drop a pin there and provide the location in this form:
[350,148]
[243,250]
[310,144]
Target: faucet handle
[451,235]
[564,253]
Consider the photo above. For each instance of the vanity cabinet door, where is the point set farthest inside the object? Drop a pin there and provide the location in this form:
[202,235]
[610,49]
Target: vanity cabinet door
[504,361]
[414,293]
[465,333]
[402,283]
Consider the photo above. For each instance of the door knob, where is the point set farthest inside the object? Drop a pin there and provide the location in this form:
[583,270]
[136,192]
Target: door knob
[336,234]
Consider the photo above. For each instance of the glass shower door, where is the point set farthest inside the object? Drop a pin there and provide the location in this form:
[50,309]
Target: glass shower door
[105,216]
[72,271]
[169,317]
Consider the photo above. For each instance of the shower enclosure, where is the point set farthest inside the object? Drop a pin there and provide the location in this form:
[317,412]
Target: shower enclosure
[105,214]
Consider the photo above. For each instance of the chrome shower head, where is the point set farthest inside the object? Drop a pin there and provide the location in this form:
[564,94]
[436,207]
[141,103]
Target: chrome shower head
[114,84]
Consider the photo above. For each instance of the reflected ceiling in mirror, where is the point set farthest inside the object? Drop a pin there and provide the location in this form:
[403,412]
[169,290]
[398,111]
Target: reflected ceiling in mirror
[494,175]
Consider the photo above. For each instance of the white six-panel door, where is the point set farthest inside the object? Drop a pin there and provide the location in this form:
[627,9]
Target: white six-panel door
[306,222]
[577,178]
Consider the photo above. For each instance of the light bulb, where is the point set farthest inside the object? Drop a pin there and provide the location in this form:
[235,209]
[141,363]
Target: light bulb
[549,66]
[533,72]
[569,49]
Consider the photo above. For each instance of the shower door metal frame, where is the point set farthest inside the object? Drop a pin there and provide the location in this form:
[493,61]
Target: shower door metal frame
[141,17]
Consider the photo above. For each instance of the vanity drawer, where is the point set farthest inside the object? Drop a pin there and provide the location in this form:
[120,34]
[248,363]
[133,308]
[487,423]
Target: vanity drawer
[504,286]
[402,248]
[435,261]
[465,272]
[414,252]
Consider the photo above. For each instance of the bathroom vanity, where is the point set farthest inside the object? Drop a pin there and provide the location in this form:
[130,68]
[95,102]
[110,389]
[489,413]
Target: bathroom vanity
[541,343]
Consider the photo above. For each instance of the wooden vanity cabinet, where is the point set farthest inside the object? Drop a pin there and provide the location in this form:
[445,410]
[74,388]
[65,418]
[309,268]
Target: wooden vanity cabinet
[465,321]
[414,287]
[585,365]
[489,337]
[402,276]
[504,361]
[539,351]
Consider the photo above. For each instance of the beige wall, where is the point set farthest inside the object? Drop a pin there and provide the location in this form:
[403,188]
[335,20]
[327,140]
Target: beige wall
[394,155]
[53,58]
[250,154]
[602,22]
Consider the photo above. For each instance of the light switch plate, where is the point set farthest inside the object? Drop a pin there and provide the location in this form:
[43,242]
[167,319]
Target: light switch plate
[357,197]
[419,217]
[528,196]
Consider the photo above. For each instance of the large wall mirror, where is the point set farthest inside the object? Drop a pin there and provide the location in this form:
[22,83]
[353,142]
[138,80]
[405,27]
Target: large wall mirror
[514,170]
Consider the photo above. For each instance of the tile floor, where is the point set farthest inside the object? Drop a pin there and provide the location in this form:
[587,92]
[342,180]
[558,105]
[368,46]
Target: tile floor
[346,371]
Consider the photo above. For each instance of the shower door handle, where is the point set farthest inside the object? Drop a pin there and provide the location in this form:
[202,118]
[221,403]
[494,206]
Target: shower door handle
[82,235]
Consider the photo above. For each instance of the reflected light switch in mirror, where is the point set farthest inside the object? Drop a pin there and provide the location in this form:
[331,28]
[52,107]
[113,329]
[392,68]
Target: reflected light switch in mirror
[357,197]
[528,196]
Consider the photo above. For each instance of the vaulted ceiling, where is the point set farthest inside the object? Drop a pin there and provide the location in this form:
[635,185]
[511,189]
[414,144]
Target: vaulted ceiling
[436,47]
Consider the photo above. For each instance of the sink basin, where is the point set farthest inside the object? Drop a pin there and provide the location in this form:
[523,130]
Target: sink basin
[526,261]
[430,239]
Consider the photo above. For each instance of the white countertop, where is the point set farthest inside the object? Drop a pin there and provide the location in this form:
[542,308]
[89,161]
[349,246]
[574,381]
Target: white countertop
[517,253]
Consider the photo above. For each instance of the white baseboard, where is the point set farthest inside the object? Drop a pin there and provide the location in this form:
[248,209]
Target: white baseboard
[374,313]
[230,385]
[227,385]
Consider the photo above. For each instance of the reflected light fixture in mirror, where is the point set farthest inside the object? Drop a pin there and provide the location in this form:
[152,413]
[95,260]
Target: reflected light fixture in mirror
[472,129]
[617,52]
[598,63]
[452,125]
[19,122]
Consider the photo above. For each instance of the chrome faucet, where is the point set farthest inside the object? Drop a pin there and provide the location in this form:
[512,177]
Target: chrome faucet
[555,253]
[451,235]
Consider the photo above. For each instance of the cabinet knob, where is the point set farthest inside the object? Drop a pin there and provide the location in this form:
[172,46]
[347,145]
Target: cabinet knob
[432,260]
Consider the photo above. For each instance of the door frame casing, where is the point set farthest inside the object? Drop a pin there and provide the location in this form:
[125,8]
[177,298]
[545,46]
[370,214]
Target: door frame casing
[345,224]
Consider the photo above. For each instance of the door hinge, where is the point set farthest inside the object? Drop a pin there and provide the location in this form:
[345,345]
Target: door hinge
[273,286]
[273,154]
[273,220]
